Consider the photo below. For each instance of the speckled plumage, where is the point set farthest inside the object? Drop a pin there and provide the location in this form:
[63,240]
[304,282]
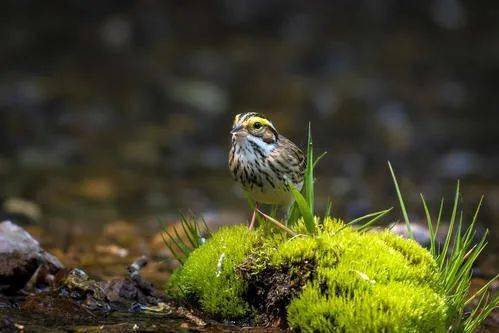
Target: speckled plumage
[263,161]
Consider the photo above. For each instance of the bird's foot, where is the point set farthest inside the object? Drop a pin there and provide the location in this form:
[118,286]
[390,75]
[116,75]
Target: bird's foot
[253,219]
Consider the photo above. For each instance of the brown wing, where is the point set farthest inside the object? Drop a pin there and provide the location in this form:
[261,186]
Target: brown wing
[290,159]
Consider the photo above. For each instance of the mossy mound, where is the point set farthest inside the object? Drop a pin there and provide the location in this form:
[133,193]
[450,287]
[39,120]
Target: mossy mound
[338,280]
[208,277]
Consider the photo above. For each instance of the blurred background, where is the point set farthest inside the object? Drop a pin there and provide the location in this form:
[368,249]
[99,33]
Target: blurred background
[115,114]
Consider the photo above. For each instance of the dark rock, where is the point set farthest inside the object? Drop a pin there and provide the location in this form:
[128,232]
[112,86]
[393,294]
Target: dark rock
[123,294]
[75,284]
[132,290]
[105,296]
[21,257]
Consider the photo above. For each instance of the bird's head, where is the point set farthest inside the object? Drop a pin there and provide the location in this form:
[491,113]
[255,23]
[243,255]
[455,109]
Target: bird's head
[254,126]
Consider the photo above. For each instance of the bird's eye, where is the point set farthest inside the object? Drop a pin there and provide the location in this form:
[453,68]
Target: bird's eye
[257,125]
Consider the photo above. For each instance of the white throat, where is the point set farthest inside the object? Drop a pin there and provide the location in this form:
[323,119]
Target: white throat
[253,143]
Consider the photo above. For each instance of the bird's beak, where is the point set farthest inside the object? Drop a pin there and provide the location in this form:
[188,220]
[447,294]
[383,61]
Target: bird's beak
[236,129]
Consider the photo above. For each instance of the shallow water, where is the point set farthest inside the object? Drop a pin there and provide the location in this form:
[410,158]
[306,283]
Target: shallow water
[115,322]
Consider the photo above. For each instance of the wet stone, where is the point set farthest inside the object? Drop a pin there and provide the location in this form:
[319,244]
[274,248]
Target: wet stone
[76,285]
[125,295]
[22,260]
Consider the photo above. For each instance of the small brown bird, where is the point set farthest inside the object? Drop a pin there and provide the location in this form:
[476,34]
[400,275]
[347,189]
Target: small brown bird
[263,161]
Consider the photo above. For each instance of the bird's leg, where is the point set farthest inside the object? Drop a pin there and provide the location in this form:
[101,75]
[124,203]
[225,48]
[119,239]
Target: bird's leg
[253,218]
[287,213]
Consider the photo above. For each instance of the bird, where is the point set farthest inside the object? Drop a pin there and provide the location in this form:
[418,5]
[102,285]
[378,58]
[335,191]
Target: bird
[264,162]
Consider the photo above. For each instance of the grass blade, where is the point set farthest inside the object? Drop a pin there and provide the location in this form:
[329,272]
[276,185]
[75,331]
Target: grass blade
[319,158]
[376,218]
[365,217]
[309,173]
[207,229]
[401,201]
[445,250]
[439,218]
[329,208]
[293,215]
[429,223]
[191,237]
[277,223]
[305,210]
[177,256]
[481,290]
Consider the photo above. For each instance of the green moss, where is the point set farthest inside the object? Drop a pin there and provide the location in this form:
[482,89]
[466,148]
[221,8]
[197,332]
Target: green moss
[294,250]
[374,281]
[394,307]
[208,276]
[361,281]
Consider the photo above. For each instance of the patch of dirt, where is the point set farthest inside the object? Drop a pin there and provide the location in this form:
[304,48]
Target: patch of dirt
[271,289]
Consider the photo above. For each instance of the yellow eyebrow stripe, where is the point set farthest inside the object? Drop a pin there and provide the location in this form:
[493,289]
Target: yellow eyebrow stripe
[261,120]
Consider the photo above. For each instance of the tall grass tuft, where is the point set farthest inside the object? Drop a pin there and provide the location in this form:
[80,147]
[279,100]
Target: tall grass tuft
[182,239]
[455,259]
